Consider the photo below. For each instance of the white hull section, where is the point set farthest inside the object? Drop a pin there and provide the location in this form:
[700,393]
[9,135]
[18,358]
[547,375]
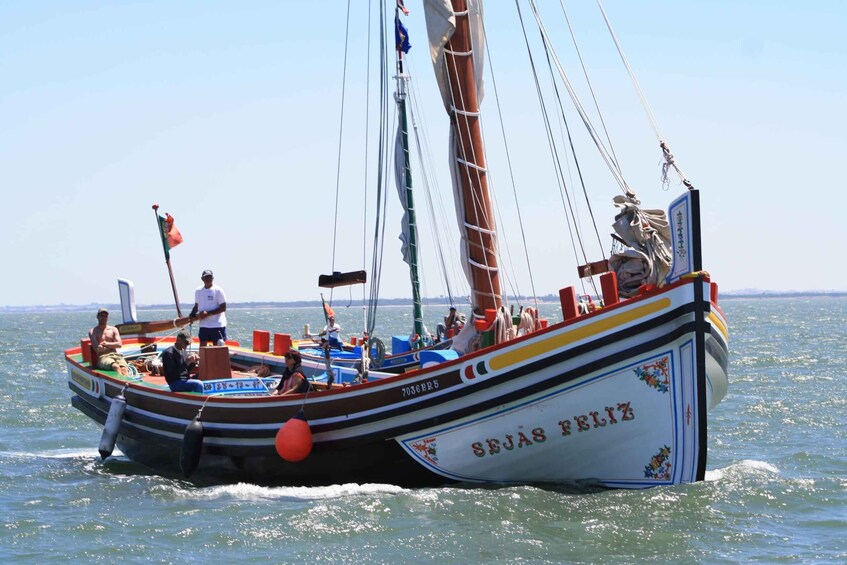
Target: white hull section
[633,425]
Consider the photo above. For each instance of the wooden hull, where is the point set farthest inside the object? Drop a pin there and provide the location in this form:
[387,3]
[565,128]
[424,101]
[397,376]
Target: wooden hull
[618,396]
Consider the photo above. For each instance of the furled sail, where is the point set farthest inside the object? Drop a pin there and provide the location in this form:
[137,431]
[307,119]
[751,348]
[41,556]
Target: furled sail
[456,40]
[647,257]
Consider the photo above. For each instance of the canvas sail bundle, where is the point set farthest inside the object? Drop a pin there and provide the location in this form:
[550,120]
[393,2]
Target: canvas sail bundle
[646,233]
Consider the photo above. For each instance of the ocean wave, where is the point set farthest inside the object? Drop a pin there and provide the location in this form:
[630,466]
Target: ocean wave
[747,467]
[68,453]
[247,491]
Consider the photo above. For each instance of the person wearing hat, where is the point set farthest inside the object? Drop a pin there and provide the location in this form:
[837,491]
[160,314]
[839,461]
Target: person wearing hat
[210,308]
[106,340]
[178,365]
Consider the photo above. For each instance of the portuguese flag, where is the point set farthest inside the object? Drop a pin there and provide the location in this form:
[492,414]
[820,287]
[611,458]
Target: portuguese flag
[170,234]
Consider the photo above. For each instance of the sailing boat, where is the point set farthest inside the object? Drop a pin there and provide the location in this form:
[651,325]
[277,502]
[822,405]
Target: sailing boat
[618,395]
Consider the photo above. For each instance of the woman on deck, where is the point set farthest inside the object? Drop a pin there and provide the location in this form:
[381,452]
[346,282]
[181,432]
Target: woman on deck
[293,381]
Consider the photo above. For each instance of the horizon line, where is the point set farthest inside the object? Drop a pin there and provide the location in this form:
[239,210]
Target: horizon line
[402,301]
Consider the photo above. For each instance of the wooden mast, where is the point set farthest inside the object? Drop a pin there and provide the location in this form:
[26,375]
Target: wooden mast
[479,223]
[409,201]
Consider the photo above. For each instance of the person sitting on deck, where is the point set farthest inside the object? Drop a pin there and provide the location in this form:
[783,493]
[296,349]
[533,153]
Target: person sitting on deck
[454,321]
[331,331]
[178,365]
[105,340]
[293,380]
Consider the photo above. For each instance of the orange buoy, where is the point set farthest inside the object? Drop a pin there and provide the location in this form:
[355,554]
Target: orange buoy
[294,439]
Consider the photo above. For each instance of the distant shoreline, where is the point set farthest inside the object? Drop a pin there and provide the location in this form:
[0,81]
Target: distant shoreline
[549,299]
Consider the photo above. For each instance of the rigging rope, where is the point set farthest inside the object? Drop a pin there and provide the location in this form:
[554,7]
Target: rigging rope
[604,153]
[451,271]
[590,86]
[367,162]
[382,177]
[564,193]
[574,210]
[668,156]
[428,194]
[511,171]
[340,138]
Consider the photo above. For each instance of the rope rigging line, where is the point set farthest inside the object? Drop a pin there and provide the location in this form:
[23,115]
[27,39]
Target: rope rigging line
[340,138]
[502,248]
[511,169]
[604,153]
[382,176]
[451,271]
[502,241]
[590,86]
[577,164]
[367,161]
[564,193]
[574,210]
[653,123]
[666,153]
[428,193]
[500,231]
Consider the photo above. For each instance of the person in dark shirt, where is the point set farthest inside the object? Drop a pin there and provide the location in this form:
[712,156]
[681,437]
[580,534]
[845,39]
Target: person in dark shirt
[177,366]
[293,381]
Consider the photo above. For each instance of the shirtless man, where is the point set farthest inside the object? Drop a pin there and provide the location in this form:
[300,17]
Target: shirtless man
[106,340]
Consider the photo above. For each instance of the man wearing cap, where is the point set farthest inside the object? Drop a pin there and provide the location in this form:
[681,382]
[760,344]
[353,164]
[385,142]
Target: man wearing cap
[210,308]
[106,340]
[177,365]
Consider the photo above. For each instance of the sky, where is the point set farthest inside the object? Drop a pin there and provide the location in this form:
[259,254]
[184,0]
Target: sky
[228,116]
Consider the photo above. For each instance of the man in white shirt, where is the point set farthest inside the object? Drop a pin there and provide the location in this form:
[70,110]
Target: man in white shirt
[330,332]
[210,308]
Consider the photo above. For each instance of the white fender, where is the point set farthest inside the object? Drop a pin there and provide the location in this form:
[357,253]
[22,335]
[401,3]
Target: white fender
[113,424]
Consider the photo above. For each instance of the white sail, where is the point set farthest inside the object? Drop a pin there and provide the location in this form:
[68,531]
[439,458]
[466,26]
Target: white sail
[440,25]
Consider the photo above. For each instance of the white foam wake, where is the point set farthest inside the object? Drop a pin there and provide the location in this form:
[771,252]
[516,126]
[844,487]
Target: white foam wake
[744,467]
[247,491]
[69,453]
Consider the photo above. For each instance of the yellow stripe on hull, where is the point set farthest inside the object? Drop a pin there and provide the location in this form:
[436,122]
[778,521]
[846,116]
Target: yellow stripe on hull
[520,355]
[718,323]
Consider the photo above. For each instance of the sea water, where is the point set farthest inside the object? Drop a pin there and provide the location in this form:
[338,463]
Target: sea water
[775,488]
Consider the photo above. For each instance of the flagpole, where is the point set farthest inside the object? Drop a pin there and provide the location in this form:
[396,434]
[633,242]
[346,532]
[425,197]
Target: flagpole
[330,374]
[167,257]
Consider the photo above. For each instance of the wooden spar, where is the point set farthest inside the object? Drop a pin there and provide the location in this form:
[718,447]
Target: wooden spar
[471,166]
[342,279]
[153,326]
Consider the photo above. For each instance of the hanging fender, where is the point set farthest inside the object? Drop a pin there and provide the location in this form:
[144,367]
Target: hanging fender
[113,424]
[192,447]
